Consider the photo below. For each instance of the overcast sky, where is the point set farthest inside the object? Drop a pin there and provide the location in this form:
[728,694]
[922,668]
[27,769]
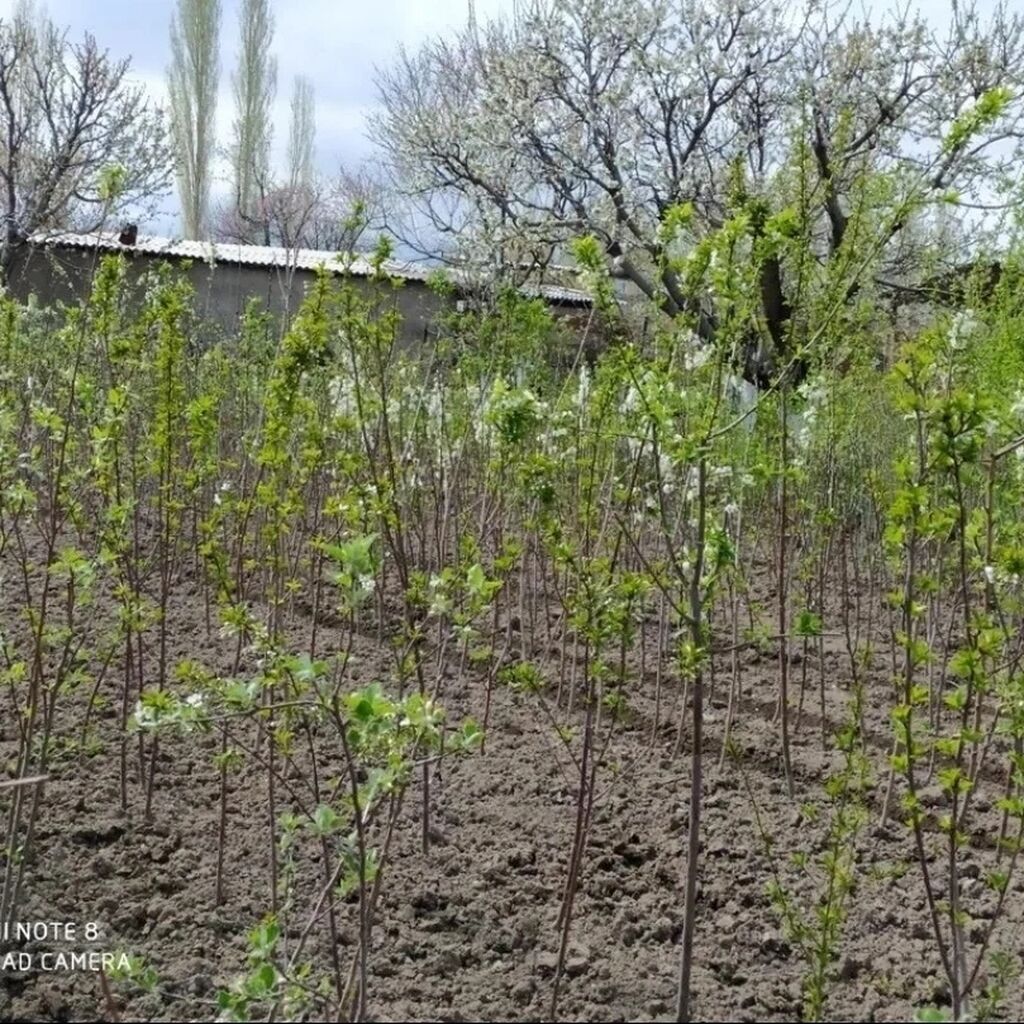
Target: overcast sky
[334,43]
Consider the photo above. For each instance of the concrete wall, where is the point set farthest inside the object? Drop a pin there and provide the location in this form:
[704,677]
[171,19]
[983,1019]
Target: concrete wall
[222,292]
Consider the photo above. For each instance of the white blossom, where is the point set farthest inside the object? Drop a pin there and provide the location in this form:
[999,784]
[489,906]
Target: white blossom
[343,396]
[697,357]
[144,716]
[584,387]
[962,328]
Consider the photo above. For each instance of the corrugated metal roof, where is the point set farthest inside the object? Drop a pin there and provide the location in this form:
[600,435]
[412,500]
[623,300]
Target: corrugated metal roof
[278,257]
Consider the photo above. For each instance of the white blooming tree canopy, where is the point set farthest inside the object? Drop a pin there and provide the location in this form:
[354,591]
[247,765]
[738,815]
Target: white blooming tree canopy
[647,125]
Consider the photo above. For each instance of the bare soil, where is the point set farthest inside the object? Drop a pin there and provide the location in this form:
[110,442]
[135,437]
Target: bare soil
[469,932]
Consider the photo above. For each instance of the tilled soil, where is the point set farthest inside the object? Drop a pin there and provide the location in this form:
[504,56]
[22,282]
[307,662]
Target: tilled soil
[470,932]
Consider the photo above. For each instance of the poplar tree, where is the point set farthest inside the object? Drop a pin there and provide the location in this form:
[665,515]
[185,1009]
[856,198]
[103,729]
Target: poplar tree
[254,84]
[302,134]
[192,85]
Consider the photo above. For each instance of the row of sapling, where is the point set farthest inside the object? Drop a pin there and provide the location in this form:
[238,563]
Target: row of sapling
[293,698]
[49,648]
[346,807]
[952,532]
[485,516]
[581,620]
[119,476]
[600,599]
[688,440]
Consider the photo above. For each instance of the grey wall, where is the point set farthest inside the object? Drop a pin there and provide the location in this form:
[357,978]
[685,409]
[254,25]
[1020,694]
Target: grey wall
[222,292]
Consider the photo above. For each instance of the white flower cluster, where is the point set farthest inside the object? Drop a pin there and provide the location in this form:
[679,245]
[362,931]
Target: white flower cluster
[436,404]
[145,717]
[1017,408]
[962,329]
[696,352]
[434,410]
[583,390]
[342,393]
[742,396]
[558,428]
[801,424]
[440,601]
[993,576]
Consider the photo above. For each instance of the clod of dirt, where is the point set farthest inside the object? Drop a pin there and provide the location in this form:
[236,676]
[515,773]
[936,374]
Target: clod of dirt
[98,834]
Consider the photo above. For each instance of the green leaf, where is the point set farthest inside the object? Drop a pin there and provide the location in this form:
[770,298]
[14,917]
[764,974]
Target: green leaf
[931,1013]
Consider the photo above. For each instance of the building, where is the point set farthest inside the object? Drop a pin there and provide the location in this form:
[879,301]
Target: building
[225,277]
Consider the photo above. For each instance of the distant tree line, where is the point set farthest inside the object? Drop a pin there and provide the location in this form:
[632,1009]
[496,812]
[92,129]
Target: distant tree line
[299,208]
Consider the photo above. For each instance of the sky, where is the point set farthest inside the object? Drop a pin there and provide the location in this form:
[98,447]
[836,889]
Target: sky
[336,44]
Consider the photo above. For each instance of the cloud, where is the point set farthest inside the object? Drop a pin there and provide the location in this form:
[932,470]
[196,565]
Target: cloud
[335,45]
